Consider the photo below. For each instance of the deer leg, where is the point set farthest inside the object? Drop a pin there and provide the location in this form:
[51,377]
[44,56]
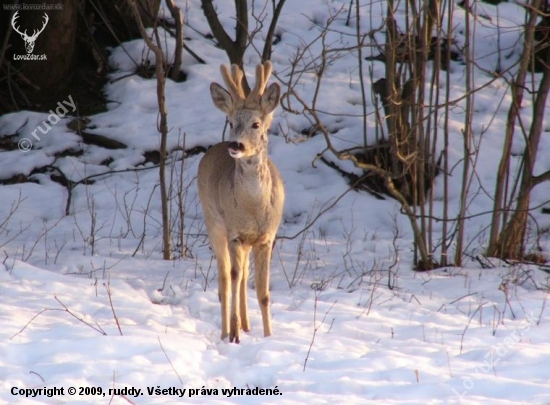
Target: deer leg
[262,257]
[218,240]
[238,257]
[245,324]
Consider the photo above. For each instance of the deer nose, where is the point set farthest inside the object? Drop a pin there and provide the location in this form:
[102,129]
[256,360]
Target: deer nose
[236,147]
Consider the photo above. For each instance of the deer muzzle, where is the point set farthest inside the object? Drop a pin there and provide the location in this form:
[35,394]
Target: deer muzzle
[236,149]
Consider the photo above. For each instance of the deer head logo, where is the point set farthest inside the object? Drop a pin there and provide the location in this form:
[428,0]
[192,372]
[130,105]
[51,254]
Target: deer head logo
[29,40]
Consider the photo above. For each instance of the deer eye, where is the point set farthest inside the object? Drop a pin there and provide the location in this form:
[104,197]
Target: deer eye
[256,125]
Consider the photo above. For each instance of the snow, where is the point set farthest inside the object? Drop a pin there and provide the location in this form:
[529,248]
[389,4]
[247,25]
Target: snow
[87,300]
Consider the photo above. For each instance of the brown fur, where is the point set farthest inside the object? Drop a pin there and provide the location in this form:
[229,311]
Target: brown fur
[242,198]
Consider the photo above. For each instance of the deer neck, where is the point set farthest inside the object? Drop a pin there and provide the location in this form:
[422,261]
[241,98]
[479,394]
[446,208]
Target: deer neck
[252,179]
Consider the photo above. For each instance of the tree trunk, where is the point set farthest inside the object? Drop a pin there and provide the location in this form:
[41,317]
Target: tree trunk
[511,243]
[234,49]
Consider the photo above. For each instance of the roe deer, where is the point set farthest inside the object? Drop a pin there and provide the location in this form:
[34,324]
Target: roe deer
[242,196]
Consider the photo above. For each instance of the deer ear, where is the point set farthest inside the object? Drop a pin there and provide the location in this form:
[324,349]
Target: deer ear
[221,98]
[270,99]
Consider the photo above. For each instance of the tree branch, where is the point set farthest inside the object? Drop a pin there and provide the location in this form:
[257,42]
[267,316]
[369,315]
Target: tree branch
[224,41]
[175,11]
[160,72]
[241,27]
[541,178]
[234,49]
[266,54]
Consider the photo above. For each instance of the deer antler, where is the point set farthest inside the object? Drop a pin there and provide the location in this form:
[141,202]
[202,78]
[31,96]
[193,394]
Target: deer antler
[43,26]
[233,80]
[15,16]
[24,34]
[263,71]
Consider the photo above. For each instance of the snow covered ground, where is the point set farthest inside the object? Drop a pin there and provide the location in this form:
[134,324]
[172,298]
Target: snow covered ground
[87,303]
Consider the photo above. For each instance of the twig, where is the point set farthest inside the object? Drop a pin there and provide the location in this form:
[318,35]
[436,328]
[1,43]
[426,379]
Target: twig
[142,238]
[464,296]
[392,284]
[498,321]
[169,361]
[504,288]
[112,307]
[39,376]
[315,327]
[449,363]
[98,329]
[542,308]
[317,216]
[113,394]
[467,325]
[121,396]
[164,282]
[65,309]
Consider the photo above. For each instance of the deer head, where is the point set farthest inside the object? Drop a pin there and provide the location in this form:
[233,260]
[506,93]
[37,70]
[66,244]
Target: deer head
[29,40]
[250,114]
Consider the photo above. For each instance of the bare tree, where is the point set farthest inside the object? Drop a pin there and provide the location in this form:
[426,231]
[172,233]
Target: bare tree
[161,72]
[404,161]
[235,49]
[507,234]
